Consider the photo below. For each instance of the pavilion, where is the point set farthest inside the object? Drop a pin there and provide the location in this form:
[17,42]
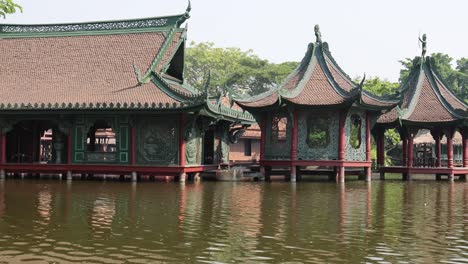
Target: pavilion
[114,98]
[425,102]
[328,119]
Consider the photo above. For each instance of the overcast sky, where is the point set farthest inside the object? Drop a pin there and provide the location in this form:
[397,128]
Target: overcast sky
[364,35]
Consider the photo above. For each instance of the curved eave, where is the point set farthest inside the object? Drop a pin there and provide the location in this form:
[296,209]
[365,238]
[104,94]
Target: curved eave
[372,102]
[261,101]
[225,113]
[165,87]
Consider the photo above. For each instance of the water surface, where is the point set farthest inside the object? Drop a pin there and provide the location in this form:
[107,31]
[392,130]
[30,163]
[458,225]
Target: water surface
[308,222]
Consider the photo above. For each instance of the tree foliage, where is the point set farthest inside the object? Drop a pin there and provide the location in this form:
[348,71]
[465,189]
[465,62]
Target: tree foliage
[9,7]
[380,87]
[456,79]
[232,67]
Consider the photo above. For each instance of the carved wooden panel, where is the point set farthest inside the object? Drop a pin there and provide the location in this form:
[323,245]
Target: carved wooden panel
[157,141]
[355,153]
[328,147]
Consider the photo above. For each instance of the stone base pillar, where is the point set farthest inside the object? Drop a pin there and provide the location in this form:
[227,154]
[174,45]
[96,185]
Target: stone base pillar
[340,174]
[382,176]
[292,174]
[182,177]
[2,174]
[407,176]
[197,177]
[451,177]
[69,176]
[368,174]
[134,176]
[266,173]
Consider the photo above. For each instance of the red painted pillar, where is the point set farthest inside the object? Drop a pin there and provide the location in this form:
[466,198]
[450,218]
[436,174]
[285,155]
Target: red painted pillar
[436,134]
[450,153]
[405,151]
[465,147]
[69,146]
[368,137]
[368,148]
[341,146]
[132,145]
[294,136]
[450,149]
[4,155]
[262,137]
[410,150]
[380,138]
[181,140]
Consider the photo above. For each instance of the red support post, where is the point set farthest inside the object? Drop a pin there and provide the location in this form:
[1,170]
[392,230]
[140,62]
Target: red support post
[368,148]
[181,140]
[69,146]
[380,142]
[340,177]
[262,137]
[341,137]
[4,159]
[436,134]
[132,145]
[465,147]
[294,137]
[405,151]
[410,150]
[368,137]
[450,149]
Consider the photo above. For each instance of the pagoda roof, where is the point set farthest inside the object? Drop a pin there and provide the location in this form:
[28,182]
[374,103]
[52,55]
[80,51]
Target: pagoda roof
[317,81]
[133,64]
[425,99]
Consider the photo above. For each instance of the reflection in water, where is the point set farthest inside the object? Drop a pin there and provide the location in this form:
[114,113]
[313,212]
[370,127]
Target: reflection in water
[44,206]
[382,222]
[103,214]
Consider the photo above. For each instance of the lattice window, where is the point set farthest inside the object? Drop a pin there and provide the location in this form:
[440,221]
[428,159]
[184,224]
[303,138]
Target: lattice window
[355,131]
[278,129]
[318,133]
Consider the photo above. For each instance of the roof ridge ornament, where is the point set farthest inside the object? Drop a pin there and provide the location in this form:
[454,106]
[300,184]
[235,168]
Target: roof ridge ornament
[186,15]
[423,42]
[318,35]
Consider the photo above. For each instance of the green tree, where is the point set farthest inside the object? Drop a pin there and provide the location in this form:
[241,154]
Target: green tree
[380,87]
[8,7]
[232,67]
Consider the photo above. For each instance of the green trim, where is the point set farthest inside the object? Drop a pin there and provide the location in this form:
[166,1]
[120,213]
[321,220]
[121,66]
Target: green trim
[85,27]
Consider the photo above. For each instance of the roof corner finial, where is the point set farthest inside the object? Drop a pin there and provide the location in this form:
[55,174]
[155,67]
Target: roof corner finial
[318,35]
[189,8]
[423,41]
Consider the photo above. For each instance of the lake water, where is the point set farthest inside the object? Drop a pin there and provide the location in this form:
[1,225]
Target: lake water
[214,222]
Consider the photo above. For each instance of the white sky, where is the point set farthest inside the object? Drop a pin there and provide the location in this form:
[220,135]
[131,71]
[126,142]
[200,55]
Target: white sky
[364,35]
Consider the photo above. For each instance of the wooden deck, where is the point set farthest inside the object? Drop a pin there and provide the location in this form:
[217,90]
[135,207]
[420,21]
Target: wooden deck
[100,168]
